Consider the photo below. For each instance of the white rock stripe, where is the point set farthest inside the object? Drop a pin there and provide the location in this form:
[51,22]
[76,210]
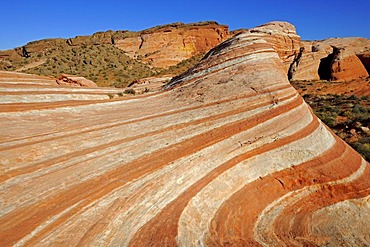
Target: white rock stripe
[263,230]
[88,166]
[246,172]
[145,198]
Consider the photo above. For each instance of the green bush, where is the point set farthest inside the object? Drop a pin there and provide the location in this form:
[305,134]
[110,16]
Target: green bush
[363,149]
[130,91]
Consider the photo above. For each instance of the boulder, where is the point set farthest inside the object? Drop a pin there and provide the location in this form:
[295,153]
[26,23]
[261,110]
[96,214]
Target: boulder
[365,60]
[74,81]
[346,66]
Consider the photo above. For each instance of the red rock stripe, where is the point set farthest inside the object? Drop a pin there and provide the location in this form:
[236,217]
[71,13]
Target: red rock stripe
[301,212]
[18,107]
[21,222]
[92,128]
[162,230]
[234,222]
[61,220]
[21,107]
[185,80]
[41,165]
[97,92]
[91,233]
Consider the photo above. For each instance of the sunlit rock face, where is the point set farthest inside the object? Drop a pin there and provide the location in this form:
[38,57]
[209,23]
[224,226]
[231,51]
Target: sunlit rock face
[169,45]
[228,154]
[336,59]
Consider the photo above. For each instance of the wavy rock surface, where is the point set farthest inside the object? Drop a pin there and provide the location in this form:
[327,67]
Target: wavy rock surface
[20,91]
[228,155]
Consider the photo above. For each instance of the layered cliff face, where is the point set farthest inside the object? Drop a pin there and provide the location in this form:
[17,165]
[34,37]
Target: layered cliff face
[337,59]
[169,45]
[228,154]
[283,38]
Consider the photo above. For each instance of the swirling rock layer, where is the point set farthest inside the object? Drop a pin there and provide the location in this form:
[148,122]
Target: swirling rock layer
[229,155]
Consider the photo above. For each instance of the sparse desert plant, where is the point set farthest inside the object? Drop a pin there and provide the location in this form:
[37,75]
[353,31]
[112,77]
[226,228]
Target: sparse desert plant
[130,91]
[111,95]
[344,113]
[363,149]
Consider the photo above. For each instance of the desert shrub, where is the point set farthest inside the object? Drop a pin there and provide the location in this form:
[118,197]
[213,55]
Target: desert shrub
[130,91]
[363,149]
[353,97]
[359,109]
[329,118]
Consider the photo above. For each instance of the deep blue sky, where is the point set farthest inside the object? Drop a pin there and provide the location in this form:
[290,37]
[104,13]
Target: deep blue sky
[26,20]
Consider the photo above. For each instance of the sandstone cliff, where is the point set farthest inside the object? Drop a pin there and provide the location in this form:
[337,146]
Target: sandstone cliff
[338,59]
[169,45]
[228,155]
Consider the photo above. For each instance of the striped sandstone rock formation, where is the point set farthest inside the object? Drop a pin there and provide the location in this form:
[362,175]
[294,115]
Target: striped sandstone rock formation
[228,155]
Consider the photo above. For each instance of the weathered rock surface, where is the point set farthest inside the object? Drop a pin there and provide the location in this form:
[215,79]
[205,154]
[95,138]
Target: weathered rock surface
[168,45]
[346,66]
[337,59]
[228,155]
[27,92]
[74,81]
[149,84]
[283,37]
[365,59]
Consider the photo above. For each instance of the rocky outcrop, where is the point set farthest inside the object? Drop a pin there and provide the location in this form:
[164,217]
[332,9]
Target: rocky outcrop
[168,45]
[74,81]
[283,37]
[98,38]
[365,59]
[228,155]
[149,84]
[337,59]
[346,66]
[40,46]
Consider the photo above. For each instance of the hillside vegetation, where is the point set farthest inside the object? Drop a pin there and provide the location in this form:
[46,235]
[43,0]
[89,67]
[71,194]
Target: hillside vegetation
[104,64]
[116,58]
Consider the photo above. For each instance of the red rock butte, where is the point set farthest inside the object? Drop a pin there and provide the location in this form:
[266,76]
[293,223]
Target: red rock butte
[228,154]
